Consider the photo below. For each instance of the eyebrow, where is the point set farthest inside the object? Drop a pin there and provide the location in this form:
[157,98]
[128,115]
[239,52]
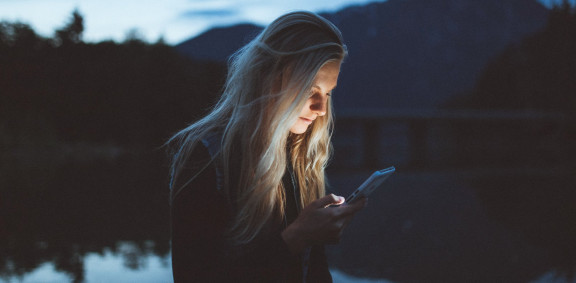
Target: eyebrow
[316,86]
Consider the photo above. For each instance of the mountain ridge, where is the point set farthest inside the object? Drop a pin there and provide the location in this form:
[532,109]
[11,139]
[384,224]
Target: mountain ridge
[407,54]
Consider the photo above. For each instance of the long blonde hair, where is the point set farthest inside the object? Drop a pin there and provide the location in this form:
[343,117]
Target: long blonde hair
[269,81]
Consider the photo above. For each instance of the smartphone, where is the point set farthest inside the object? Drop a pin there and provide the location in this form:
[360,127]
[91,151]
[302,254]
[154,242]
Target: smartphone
[371,184]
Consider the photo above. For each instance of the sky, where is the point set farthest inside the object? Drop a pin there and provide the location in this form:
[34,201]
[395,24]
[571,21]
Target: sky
[172,20]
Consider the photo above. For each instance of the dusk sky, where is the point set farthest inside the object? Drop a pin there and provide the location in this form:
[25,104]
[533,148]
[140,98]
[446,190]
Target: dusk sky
[174,20]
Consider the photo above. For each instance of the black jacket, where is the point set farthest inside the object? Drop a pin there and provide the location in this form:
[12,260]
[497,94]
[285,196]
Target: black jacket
[201,253]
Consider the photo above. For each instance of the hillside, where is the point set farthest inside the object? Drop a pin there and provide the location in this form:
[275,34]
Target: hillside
[219,43]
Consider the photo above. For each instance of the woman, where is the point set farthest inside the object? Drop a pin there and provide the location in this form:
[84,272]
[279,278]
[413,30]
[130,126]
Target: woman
[248,188]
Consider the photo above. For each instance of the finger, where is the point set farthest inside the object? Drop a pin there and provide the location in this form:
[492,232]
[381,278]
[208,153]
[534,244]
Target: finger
[327,200]
[350,209]
[359,203]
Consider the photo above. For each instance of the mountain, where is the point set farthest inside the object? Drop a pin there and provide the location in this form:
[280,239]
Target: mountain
[219,43]
[406,54]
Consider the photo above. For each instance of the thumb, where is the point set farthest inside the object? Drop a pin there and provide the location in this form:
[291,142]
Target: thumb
[327,200]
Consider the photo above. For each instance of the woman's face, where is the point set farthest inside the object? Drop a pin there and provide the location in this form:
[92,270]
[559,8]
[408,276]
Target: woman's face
[324,82]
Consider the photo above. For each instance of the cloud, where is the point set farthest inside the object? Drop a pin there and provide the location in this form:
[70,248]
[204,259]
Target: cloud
[210,13]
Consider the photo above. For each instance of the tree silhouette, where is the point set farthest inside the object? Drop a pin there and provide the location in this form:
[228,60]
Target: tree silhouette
[71,33]
[63,90]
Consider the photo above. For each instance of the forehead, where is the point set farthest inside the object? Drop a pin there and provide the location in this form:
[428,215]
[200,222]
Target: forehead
[327,76]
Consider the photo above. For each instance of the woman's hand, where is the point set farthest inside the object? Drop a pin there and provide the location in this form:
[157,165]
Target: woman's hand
[319,223]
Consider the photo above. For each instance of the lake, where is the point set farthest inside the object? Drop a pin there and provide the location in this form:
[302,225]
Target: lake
[105,218]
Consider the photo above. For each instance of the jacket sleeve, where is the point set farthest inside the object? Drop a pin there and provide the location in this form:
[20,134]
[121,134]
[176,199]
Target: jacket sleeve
[318,271]
[200,251]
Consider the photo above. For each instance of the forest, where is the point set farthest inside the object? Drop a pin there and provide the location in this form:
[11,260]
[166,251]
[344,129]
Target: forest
[62,90]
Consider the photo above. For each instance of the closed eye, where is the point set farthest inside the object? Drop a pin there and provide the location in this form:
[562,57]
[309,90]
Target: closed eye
[316,90]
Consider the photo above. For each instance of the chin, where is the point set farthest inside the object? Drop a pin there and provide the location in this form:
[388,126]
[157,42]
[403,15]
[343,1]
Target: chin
[298,130]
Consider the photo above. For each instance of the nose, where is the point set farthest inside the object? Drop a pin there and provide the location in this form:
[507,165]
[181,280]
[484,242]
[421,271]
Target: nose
[319,104]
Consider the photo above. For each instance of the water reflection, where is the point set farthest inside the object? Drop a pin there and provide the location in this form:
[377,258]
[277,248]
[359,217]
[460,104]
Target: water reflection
[58,210]
[444,226]
[106,220]
[109,267]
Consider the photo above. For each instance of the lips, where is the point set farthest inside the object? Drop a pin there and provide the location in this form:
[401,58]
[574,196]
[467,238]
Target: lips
[307,120]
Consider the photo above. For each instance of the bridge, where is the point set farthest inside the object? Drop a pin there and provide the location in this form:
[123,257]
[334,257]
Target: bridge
[418,124]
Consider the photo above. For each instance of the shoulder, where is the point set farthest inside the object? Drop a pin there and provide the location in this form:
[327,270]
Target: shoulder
[197,174]
[197,162]
[202,166]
